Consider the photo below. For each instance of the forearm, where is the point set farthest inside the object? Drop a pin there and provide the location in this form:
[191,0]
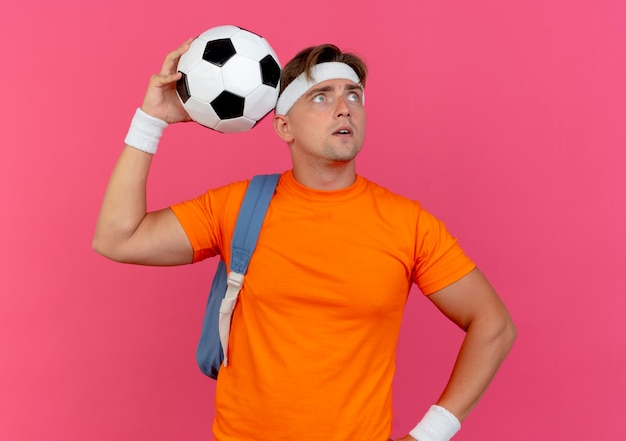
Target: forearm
[124,204]
[485,346]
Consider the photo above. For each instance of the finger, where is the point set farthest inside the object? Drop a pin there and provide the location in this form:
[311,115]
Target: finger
[171,60]
[160,80]
[172,78]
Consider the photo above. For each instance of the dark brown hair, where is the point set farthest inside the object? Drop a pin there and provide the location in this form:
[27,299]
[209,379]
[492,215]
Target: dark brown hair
[309,57]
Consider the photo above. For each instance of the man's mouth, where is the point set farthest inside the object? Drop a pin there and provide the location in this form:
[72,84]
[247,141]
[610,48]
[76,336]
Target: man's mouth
[343,131]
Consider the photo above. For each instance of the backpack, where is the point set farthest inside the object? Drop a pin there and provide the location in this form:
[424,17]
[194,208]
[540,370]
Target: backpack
[212,349]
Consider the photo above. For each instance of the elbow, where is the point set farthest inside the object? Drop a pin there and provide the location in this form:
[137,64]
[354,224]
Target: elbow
[106,248]
[499,332]
[113,241]
[512,331]
[98,246]
[511,334]
[101,247]
[507,333]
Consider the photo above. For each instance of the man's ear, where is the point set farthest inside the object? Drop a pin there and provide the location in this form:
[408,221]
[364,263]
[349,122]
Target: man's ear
[282,128]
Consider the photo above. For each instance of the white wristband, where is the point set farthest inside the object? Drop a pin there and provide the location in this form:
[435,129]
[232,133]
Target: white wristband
[145,132]
[437,425]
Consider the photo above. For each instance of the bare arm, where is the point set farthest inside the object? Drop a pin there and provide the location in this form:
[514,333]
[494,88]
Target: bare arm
[475,307]
[125,231]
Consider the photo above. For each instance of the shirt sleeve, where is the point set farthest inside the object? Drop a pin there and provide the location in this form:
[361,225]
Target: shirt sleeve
[440,261]
[209,219]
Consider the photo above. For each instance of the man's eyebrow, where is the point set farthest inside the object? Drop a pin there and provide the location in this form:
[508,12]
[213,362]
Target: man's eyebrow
[317,90]
[354,87]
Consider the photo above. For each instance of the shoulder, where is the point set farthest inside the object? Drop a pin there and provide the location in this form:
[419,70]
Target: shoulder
[380,189]
[231,189]
[213,207]
[218,199]
[392,201]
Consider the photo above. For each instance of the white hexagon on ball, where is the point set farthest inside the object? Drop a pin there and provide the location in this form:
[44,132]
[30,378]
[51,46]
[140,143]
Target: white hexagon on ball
[250,45]
[205,81]
[193,55]
[241,75]
[202,112]
[241,124]
[262,98]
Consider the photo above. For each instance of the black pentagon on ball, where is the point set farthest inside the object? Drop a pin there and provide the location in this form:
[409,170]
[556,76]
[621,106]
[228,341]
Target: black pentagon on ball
[270,71]
[183,88]
[219,51]
[227,105]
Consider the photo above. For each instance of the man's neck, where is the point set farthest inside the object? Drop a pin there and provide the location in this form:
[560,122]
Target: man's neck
[328,178]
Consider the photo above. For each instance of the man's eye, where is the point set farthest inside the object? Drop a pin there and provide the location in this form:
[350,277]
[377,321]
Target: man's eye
[355,97]
[319,98]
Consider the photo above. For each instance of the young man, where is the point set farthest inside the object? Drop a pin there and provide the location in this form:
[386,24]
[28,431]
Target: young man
[312,343]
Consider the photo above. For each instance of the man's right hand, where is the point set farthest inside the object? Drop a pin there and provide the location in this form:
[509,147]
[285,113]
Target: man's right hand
[161,100]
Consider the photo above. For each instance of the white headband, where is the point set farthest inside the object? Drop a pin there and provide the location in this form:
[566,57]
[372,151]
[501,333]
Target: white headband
[320,72]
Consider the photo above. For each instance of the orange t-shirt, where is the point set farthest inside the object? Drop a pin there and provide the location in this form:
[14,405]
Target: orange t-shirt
[314,333]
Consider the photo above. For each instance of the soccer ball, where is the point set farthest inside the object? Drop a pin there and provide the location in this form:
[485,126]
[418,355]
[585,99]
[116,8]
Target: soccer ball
[230,79]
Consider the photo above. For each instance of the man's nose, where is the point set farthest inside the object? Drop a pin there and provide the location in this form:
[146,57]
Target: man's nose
[342,108]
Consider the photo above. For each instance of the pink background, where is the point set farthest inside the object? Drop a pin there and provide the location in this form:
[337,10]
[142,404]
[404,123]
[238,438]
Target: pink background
[506,119]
